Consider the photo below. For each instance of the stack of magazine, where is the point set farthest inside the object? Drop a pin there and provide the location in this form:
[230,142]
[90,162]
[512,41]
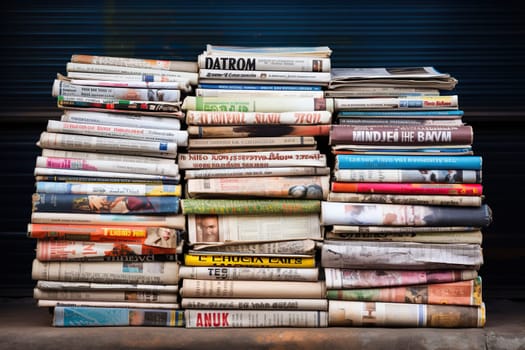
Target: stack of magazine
[106,210]
[257,187]
[405,209]
[254,181]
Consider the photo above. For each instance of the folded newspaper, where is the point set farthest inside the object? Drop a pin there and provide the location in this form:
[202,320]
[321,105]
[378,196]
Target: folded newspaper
[316,51]
[427,77]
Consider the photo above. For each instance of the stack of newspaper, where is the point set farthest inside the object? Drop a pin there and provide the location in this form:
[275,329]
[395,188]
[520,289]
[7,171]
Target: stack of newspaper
[106,211]
[224,187]
[405,209]
[254,180]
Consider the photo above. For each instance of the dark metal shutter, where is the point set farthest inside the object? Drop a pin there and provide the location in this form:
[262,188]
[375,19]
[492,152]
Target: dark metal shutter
[481,43]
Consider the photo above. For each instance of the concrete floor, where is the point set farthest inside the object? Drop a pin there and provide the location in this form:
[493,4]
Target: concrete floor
[25,326]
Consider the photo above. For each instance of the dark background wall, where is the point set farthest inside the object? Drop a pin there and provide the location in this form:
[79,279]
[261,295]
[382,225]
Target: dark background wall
[481,43]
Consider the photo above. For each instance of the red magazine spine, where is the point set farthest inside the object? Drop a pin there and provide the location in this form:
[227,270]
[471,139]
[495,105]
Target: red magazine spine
[408,188]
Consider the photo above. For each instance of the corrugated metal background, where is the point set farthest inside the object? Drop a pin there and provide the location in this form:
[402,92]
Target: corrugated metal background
[481,43]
